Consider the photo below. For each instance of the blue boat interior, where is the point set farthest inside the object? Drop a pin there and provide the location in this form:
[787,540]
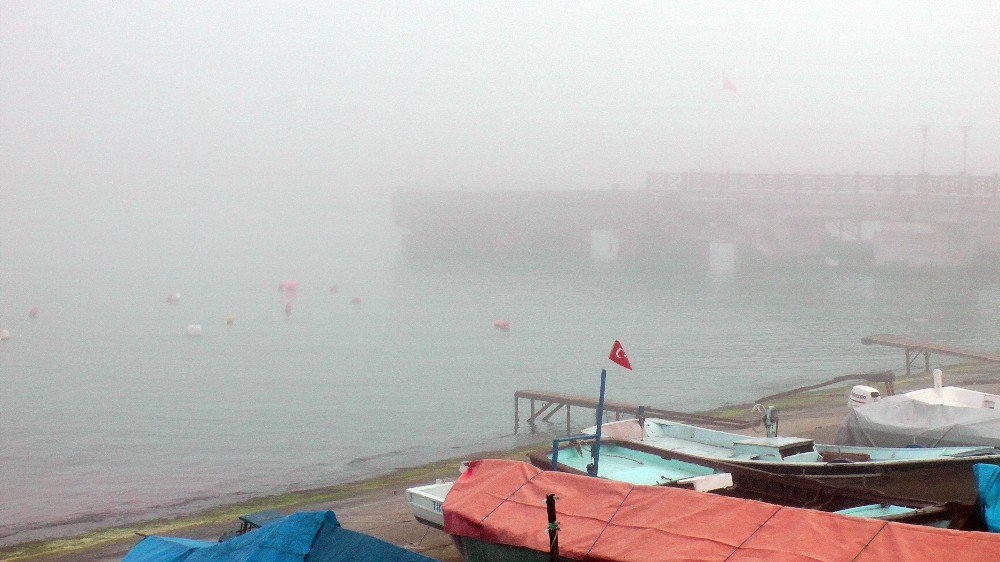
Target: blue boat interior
[628,465]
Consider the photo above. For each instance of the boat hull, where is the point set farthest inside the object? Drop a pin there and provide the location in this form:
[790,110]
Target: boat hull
[779,489]
[938,480]
[477,550]
[933,474]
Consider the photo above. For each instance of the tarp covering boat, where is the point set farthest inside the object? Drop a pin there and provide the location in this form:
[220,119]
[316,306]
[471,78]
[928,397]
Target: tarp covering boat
[988,481]
[308,536]
[502,502]
[900,421]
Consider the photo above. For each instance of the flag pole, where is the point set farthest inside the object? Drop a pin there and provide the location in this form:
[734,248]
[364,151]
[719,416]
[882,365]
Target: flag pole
[595,451]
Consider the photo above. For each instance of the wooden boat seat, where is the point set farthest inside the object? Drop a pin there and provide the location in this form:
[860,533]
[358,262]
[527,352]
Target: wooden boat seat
[836,456]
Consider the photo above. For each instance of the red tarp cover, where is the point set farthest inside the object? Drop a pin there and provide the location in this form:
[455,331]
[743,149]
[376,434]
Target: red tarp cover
[503,502]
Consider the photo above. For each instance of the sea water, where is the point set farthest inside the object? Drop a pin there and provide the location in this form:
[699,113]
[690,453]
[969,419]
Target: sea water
[110,413]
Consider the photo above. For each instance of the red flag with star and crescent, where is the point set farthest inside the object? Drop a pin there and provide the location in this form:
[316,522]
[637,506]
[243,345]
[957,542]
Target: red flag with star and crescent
[618,355]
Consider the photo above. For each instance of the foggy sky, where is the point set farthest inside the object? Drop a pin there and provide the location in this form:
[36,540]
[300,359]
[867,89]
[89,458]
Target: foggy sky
[127,126]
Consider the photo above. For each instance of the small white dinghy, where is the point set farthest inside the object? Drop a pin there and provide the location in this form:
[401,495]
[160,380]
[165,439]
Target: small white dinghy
[426,501]
[194,330]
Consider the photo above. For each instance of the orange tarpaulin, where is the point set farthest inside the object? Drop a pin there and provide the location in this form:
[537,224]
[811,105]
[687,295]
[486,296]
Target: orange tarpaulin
[503,502]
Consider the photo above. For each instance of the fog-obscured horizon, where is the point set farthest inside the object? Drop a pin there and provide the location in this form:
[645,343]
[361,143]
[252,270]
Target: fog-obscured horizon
[179,136]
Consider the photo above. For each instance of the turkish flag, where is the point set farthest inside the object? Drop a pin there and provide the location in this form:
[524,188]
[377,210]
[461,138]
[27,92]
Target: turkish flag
[618,355]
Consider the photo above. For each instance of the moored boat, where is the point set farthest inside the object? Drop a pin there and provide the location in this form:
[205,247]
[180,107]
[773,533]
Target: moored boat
[929,417]
[496,511]
[636,463]
[425,502]
[938,474]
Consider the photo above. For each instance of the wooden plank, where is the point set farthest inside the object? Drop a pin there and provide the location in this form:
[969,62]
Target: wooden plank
[541,411]
[907,343]
[553,412]
[624,408]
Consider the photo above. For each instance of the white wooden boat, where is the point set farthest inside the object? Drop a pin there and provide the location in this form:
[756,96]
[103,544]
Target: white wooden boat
[938,474]
[426,501]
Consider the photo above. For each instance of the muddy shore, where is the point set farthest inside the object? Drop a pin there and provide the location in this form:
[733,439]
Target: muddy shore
[378,506]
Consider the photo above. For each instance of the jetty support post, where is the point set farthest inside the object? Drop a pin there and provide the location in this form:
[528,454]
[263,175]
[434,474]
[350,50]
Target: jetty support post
[517,417]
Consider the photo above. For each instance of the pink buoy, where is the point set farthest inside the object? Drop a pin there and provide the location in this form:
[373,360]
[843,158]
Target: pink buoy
[173,298]
[289,286]
[33,313]
[501,324]
[355,300]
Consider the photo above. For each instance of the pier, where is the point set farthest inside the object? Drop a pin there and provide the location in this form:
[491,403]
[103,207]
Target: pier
[912,348]
[544,405]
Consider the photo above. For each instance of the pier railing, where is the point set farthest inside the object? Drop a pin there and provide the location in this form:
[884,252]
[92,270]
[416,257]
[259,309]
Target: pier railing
[921,184]
[543,405]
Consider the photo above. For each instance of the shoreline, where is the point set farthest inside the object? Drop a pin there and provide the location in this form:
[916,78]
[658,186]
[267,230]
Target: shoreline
[203,524]
[377,505]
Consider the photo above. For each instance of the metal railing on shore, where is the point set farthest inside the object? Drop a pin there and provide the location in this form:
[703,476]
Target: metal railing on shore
[920,184]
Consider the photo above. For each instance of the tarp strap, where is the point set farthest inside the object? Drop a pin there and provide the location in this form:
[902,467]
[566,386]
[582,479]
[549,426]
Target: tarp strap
[610,519]
[877,533]
[777,508]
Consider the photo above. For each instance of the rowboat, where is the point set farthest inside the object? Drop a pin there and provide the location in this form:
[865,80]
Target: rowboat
[636,463]
[426,501]
[939,474]
[497,511]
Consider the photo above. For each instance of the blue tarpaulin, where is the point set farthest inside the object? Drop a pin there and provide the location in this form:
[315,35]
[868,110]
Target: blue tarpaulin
[988,482]
[308,536]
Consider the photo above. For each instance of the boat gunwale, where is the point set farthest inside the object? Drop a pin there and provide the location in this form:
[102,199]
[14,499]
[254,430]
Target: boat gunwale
[989,454]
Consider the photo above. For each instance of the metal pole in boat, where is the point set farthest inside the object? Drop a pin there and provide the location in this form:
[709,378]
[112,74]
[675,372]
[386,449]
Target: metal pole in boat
[550,507]
[595,451]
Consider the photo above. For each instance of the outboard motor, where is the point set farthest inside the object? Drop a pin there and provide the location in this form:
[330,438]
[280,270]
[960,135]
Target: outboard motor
[861,395]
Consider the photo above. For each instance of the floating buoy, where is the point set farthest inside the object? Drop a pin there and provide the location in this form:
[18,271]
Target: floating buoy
[229,319]
[4,334]
[333,288]
[173,298]
[194,330]
[355,300]
[33,313]
[288,309]
[289,286]
[501,324]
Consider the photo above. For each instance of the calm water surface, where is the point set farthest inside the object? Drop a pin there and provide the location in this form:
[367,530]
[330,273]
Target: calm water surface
[109,413]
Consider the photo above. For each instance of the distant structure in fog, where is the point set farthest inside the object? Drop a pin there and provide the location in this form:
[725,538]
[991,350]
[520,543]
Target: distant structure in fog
[854,220]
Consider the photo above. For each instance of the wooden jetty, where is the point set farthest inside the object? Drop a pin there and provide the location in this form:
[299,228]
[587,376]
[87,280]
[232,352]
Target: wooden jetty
[914,347]
[545,405]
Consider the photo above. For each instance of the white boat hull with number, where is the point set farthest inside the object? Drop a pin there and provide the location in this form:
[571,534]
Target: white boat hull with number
[425,502]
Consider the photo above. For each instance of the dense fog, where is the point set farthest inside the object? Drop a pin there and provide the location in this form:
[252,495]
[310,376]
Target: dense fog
[169,135]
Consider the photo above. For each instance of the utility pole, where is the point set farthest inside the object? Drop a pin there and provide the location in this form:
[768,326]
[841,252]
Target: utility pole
[965,146]
[923,149]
